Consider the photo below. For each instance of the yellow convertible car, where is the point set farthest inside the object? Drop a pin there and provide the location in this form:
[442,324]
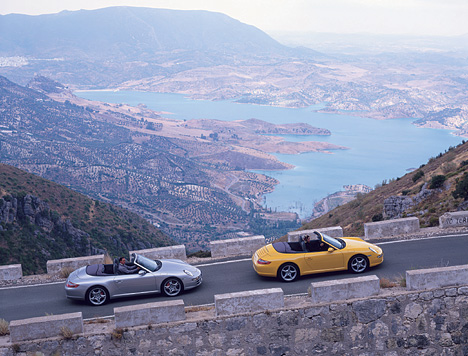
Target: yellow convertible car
[323,253]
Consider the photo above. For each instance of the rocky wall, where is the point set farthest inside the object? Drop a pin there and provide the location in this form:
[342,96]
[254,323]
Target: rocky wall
[397,323]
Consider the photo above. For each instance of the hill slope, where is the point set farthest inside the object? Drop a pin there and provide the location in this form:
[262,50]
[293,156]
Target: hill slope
[197,189]
[42,220]
[426,193]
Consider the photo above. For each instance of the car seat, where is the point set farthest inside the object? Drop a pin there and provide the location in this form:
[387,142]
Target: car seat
[116,266]
[303,245]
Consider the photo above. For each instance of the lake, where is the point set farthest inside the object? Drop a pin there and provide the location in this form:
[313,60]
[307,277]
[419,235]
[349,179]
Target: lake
[378,149]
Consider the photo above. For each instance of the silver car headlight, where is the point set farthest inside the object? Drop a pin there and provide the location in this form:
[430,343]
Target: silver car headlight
[373,250]
[188,273]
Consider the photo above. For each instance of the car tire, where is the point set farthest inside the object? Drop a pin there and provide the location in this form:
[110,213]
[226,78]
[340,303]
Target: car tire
[358,264]
[288,272]
[97,295]
[172,287]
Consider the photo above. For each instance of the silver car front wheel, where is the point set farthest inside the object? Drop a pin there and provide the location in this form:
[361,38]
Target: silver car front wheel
[172,287]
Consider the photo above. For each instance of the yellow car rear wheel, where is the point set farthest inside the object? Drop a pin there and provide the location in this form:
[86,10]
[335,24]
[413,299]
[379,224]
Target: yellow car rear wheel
[288,272]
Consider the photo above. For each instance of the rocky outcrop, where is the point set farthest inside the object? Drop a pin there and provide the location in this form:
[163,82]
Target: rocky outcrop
[396,206]
[28,223]
[8,210]
[34,211]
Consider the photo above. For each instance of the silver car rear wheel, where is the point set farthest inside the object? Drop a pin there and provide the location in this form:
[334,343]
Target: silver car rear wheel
[172,287]
[97,295]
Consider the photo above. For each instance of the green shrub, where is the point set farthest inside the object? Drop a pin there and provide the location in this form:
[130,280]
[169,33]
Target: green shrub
[433,221]
[418,175]
[461,189]
[437,181]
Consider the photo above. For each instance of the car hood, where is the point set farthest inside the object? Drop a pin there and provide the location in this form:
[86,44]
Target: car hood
[177,265]
[356,243]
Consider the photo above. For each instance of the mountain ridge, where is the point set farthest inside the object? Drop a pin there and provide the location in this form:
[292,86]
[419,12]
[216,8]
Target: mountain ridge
[129,32]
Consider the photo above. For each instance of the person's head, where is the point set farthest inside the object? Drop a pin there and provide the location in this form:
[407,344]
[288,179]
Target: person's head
[306,238]
[122,260]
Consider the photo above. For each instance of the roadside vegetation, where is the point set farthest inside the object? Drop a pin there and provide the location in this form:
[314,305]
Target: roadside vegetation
[4,327]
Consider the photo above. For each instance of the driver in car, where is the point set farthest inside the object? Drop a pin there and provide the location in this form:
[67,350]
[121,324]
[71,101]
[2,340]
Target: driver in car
[125,268]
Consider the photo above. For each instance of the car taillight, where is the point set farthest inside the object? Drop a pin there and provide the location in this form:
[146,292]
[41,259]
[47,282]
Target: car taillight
[263,262]
[72,285]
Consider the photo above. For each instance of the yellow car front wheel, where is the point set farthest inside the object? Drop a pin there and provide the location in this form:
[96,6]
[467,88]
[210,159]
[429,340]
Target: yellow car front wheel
[358,264]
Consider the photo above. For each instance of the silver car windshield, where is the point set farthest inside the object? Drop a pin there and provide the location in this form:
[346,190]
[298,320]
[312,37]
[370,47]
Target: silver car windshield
[148,264]
[332,241]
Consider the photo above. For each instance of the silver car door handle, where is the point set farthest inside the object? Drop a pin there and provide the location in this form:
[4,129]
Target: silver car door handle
[118,281]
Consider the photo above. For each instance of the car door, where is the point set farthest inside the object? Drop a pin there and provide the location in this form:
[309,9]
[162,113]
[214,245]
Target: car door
[135,283]
[323,261]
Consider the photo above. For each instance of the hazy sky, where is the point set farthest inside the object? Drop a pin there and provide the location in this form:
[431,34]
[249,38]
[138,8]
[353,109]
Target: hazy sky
[428,17]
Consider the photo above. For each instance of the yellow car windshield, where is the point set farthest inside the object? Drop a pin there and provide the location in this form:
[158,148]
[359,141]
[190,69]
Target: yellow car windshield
[336,243]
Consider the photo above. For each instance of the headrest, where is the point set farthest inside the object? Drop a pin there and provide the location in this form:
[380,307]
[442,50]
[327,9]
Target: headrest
[116,266]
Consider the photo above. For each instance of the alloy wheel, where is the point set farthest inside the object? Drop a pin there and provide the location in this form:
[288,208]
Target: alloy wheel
[172,287]
[358,264]
[97,296]
[288,273]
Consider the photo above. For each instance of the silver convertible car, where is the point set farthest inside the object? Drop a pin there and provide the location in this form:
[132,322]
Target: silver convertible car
[100,282]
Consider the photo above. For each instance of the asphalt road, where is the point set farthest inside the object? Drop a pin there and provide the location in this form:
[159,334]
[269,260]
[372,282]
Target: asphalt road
[234,276]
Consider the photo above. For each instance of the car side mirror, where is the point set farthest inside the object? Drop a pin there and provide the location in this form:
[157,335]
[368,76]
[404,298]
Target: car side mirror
[331,249]
[141,272]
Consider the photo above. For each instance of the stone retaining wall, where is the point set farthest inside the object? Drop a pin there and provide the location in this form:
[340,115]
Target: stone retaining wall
[399,323]
[46,327]
[344,289]
[250,301]
[55,266]
[389,228]
[243,246]
[10,272]
[335,231]
[177,252]
[436,277]
[150,313]
[455,219]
